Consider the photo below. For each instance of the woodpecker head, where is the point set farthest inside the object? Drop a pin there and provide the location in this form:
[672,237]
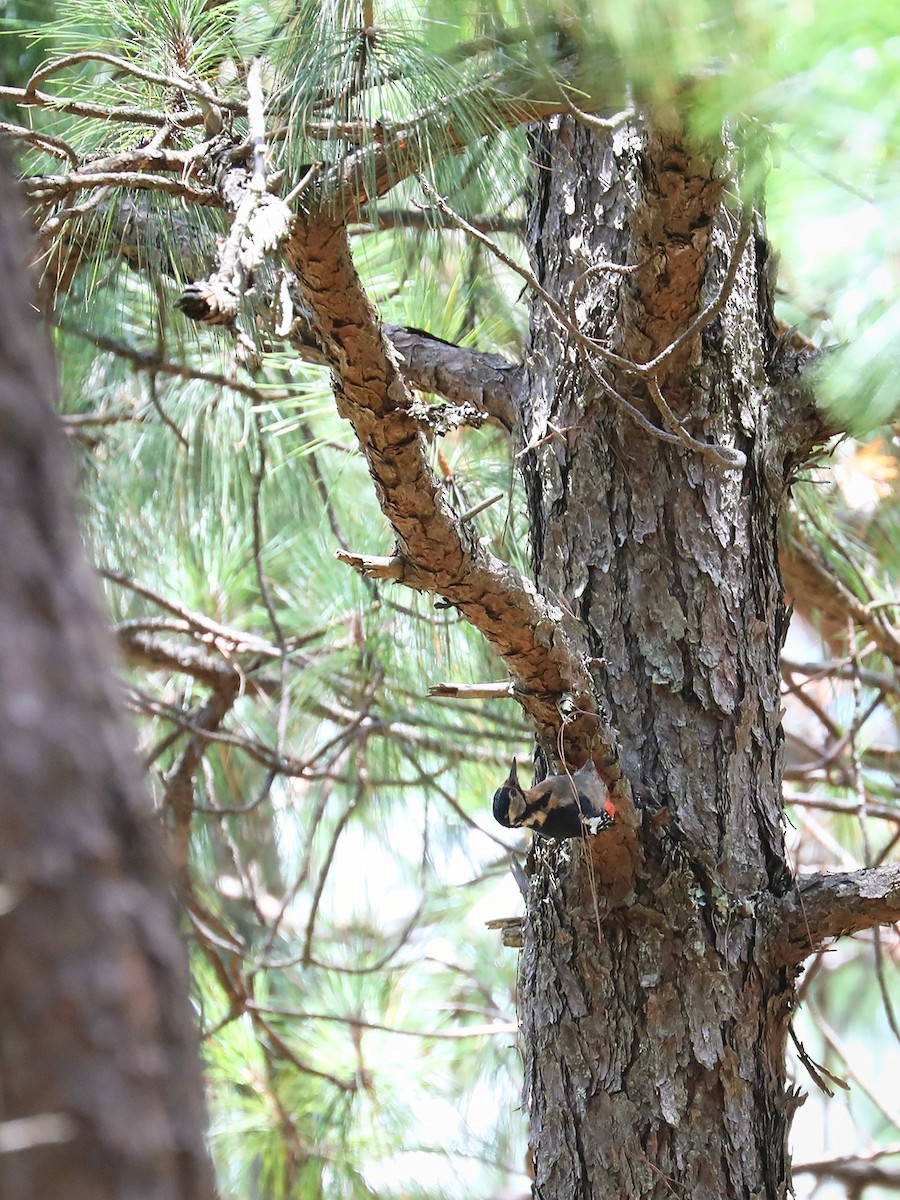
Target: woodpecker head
[509,801]
[560,806]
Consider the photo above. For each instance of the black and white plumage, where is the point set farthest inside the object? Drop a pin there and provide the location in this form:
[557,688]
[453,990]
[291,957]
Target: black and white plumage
[560,806]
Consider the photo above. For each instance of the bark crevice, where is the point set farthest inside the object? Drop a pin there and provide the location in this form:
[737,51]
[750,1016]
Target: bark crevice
[671,562]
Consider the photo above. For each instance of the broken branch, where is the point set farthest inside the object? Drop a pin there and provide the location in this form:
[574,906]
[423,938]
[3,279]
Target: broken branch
[830,906]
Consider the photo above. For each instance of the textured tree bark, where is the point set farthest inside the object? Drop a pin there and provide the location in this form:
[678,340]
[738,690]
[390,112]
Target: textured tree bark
[435,550]
[655,1018]
[100,1088]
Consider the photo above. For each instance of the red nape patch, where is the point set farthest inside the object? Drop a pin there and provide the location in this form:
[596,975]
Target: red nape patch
[610,808]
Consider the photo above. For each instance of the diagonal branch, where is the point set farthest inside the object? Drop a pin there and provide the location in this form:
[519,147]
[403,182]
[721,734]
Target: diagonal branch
[855,1171]
[470,379]
[542,646]
[173,656]
[814,581]
[50,187]
[181,83]
[830,906]
[419,140]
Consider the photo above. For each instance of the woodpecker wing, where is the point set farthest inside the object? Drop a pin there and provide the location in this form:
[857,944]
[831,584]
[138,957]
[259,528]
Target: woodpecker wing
[593,794]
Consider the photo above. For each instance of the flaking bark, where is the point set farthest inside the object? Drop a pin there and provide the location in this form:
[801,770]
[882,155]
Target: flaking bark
[654,1022]
[831,906]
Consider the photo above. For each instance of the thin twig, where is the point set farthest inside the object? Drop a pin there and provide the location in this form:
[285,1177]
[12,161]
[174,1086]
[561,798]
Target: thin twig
[723,455]
[836,750]
[257,751]
[490,1030]
[236,639]
[179,794]
[417,219]
[862,808]
[283,1049]
[50,187]
[473,691]
[179,83]
[799,693]
[881,812]
[816,1070]
[834,1042]
[150,360]
[311,824]
[304,183]
[855,725]
[479,508]
[61,216]
[606,124]
[715,306]
[324,869]
[265,591]
[163,415]
[102,112]
[42,141]
[429,780]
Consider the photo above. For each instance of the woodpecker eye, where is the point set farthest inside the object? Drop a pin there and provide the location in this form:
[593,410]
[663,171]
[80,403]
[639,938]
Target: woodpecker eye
[510,804]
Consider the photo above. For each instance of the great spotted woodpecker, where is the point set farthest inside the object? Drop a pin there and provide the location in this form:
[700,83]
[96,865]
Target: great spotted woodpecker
[561,806]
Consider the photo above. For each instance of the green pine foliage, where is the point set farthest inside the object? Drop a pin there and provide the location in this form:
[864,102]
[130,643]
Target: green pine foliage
[342,857]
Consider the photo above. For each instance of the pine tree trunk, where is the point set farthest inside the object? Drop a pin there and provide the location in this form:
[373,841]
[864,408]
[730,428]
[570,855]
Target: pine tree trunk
[655,1020]
[100,1090]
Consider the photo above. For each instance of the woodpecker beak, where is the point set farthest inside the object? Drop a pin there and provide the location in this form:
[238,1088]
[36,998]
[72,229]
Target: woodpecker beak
[512,780]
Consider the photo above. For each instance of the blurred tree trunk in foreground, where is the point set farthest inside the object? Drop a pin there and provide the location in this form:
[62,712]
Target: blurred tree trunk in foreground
[100,1087]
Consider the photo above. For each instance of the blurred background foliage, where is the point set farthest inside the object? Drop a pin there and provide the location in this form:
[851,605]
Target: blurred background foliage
[339,859]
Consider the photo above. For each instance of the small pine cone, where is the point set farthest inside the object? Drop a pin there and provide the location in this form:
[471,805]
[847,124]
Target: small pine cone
[208,301]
